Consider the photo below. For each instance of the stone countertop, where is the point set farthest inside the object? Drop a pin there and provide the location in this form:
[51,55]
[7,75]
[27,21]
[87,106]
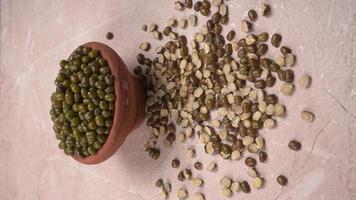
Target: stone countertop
[36,34]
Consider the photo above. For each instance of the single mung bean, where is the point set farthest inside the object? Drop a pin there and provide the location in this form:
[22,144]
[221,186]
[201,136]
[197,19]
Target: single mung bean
[216,2]
[181,176]
[260,84]
[182,23]
[245,26]
[178,6]
[245,187]
[230,36]
[225,182]
[175,163]
[152,27]
[211,166]
[252,15]
[216,18]
[187,173]
[224,19]
[204,11]
[159,183]
[235,155]
[197,6]
[137,70]
[197,182]
[199,196]
[285,50]
[281,75]
[145,46]
[226,192]
[289,59]
[276,40]
[182,194]
[223,10]
[262,49]
[192,20]
[144,27]
[235,187]
[251,162]
[289,75]
[270,81]
[141,58]
[262,155]
[109,35]
[282,180]
[257,182]
[287,89]
[304,81]
[190,152]
[167,30]
[167,187]
[274,67]
[262,37]
[198,165]
[295,145]
[163,194]
[188,3]
[265,9]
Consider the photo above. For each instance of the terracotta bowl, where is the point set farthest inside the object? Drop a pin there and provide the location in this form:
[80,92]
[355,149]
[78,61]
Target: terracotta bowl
[129,105]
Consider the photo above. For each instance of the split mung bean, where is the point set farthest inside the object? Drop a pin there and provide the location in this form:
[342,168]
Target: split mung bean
[265,9]
[305,81]
[307,116]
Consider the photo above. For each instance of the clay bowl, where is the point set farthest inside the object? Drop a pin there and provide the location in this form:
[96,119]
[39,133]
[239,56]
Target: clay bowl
[129,105]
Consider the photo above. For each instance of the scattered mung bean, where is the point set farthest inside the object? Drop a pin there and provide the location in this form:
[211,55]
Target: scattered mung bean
[211,166]
[199,196]
[304,81]
[276,40]
[226,192]
[257,182]
[282,180]
[252,15]
[175,163]
[307,116]
[109,36]
[245,26]
[265,9]
[145,46]
[159,183]
[262,155]
[295,145]
[245,187]
[182,194]
[197,182]
[287,89]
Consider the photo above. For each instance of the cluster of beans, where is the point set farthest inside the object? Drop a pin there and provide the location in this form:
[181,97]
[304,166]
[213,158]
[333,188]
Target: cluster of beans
[216,86]
[83,103]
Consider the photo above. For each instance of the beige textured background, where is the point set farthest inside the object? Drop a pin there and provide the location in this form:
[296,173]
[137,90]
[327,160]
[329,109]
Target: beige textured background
[36,34]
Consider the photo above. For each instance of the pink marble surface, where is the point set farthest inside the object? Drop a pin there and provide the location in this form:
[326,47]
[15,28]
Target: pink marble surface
[36,34]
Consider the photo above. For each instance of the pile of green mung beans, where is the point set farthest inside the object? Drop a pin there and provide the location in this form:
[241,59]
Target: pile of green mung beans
[84,102]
